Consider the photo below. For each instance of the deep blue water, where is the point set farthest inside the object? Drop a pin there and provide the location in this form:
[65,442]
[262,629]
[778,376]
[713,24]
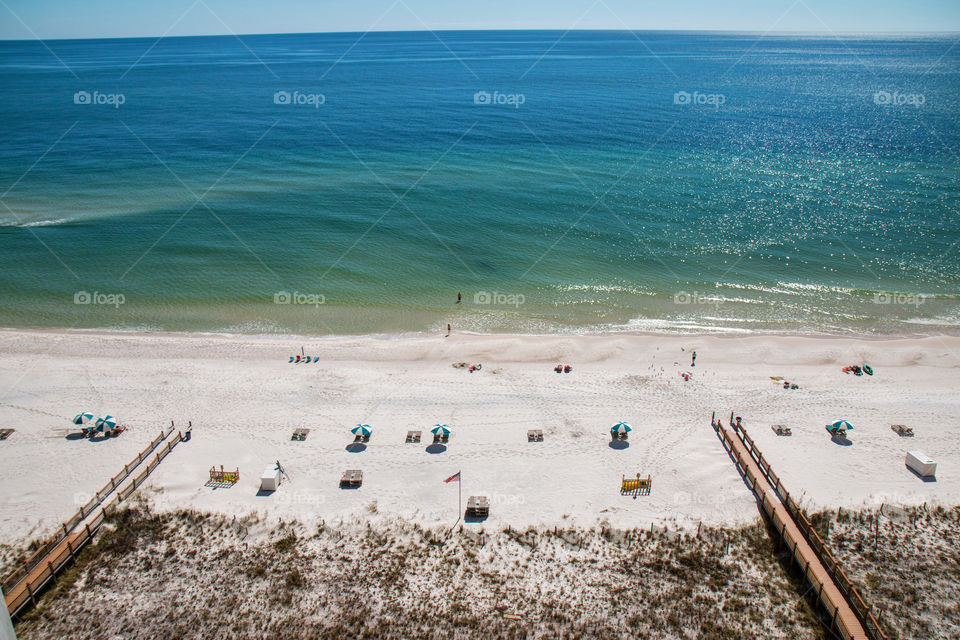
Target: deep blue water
[612,180]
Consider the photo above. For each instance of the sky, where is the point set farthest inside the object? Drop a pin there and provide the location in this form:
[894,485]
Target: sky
[51,19]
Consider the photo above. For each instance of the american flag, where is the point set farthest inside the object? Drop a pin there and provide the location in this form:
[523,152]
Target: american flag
[454,478]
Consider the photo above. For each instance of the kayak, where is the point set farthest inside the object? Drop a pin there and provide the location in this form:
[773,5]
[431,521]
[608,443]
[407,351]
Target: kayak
[867,369]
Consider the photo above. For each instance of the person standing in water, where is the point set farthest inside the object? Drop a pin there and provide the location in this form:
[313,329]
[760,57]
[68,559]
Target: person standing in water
[459,297]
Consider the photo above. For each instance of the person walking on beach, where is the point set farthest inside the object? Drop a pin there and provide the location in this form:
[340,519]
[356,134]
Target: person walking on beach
[448,331]
[693,359]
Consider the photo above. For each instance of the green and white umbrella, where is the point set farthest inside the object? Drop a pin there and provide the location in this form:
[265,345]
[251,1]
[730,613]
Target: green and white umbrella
[842,424]
[362,430]
[82,418]
[621,427]
[107,422]
[440,430]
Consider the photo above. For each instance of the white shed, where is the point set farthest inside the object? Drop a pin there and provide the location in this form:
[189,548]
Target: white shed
[270,478]
[920,462]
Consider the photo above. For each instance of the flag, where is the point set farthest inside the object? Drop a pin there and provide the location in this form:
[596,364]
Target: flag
[454,478]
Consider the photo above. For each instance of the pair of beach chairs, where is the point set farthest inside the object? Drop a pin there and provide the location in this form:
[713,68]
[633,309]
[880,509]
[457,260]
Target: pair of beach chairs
[902,430]
[352,478]
[781,430]
[534,435]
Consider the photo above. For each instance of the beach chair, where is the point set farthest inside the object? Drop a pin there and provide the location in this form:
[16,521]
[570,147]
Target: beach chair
[352,478]
[362,438]
[300,434]
[5,433]
[534,435]
[781,430]
[902,430]
[478,507]
[618,435]
[441,438]
[836,432]
[413,437]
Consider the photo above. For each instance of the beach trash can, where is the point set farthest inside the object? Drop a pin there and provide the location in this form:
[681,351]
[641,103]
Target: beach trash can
[270,478]
[921,463]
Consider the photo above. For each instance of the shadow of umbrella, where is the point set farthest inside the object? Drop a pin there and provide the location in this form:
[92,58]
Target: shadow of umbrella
[436,448]
[619,445]
[356,447]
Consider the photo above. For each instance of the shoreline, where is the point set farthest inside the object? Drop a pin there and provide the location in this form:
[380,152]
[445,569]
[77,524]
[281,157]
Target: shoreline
[746,334]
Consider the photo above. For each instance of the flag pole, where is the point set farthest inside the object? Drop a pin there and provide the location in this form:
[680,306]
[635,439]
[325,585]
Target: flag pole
[460,496]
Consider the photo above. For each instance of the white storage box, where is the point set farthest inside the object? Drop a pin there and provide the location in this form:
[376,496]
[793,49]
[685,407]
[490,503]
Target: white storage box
[921,463]
[270,478]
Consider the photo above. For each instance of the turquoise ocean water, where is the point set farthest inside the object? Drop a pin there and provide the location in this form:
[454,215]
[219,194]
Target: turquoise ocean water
[581,181]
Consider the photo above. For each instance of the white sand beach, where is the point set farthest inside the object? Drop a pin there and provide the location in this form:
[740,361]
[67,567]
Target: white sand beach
[244,399]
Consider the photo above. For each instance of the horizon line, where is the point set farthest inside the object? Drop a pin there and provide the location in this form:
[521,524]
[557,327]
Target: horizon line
[775,32]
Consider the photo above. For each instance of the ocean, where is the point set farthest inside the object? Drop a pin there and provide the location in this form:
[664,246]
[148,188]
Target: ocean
[560,182]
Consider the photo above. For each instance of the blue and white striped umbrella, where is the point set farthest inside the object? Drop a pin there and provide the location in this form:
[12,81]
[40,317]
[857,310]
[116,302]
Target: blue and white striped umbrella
[440,429]
[621,427]
[107,422]
[842,424]
[362,430]
[82,418]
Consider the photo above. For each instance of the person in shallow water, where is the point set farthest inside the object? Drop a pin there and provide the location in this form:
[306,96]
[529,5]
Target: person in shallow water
[459,297]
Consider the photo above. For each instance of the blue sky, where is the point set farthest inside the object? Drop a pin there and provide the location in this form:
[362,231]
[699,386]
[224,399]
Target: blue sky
[21,19]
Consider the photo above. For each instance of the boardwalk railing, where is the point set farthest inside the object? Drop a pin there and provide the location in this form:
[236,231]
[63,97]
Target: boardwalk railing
[853,597]
[40,555]
[24,590]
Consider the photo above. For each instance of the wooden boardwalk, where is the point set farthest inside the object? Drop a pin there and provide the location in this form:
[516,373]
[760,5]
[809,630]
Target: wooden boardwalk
[23,584]
[757,473]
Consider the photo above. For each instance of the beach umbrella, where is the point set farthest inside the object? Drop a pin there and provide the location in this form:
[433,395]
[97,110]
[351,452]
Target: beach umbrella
[440,429]
[107,422]
[842,424]
[82,418]
[362,430]
[621,427]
